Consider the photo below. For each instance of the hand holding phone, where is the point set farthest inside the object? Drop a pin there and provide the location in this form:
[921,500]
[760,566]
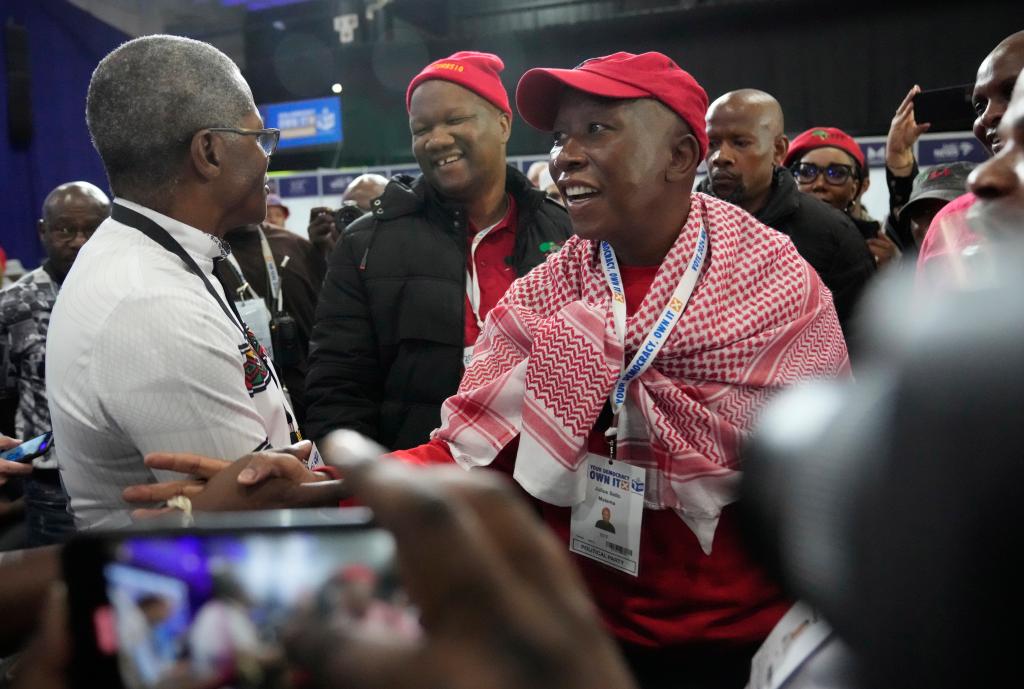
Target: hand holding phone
[323,232]
[946,109]
[30,449]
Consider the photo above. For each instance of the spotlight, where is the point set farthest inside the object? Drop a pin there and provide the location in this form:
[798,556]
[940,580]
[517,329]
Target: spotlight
[336,88]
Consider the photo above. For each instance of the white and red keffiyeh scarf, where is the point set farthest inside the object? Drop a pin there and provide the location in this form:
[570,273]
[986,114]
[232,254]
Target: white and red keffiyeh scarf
[759,320]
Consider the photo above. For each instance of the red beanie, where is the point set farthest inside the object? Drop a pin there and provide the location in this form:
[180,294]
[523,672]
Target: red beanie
[471,70]
[823,137]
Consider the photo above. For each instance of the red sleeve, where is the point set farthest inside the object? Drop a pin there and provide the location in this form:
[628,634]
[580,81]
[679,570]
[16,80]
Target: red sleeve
[434,452]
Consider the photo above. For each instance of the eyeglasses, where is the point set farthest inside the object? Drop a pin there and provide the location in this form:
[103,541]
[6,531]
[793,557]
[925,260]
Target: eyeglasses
[66,234]
[266,138]
[835,174]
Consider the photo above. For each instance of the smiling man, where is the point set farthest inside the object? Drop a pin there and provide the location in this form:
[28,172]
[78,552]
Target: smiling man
[144,351]
[950,233]
[410,284]
[623,374]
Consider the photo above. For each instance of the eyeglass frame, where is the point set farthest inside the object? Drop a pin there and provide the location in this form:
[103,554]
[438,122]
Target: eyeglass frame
[853,172]
[276,133]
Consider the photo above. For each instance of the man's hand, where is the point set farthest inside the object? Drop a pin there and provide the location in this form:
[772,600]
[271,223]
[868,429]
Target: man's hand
[47,660]
[9,469]
[883,249]
[501,604]
[262,480]
[323,233]
[903,132]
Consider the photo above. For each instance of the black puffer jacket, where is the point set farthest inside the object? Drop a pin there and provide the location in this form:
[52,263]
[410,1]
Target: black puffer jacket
[825,237]
[387,344]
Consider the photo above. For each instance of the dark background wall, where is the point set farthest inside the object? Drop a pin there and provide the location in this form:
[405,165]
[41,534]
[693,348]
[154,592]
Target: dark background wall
[843,64]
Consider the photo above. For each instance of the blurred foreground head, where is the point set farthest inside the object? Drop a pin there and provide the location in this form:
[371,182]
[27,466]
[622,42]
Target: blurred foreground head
[893,504]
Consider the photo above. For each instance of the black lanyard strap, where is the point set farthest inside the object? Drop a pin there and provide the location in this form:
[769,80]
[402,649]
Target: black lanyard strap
[138,221]
[126,216]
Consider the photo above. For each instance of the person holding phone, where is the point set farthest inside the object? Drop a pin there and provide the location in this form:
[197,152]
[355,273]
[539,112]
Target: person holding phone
[70,215]
[950,232]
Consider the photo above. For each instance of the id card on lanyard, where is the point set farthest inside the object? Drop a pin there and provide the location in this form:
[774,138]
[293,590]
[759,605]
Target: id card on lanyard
[606,526]
[252,308]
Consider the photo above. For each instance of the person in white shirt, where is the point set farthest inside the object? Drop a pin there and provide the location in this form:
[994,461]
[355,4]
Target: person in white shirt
[145,353]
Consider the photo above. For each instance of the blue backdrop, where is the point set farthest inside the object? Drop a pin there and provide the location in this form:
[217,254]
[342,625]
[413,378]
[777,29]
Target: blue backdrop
[65,44]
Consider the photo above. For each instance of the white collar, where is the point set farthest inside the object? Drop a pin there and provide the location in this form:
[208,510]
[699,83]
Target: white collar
[202,246]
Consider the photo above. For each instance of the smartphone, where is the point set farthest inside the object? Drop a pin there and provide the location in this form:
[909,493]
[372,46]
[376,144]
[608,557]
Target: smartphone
[30,449]
[946,109]
[208,605]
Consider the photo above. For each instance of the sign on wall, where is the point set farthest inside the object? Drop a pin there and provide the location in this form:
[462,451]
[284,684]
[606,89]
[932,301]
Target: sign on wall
[305,122]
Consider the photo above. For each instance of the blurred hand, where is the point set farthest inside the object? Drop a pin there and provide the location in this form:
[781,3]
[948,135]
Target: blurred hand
[8,469]
[46,662]
[322,231]
[261,480]
[501,604]
[883,249]
[903,133]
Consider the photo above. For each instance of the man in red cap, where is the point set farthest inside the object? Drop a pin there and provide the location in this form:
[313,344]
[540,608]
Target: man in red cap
[625,372]
[410,284]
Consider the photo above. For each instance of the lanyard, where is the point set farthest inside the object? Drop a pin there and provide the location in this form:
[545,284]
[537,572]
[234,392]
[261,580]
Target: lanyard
[666,322]
[472,279]
[273,276]
[126,216]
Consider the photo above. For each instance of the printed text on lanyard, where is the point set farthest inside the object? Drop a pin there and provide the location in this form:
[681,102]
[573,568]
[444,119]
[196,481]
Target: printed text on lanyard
[666,322]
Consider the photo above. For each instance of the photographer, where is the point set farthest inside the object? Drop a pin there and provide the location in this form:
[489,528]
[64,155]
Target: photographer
[325,225]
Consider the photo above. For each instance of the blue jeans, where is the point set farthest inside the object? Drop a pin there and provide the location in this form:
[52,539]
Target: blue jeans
[46,510]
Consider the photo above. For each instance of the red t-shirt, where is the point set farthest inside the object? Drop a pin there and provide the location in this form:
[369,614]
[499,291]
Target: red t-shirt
[494,273]
[681,595]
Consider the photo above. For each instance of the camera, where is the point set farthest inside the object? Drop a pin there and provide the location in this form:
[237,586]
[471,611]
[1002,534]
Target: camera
[346,215]
[284,334]
[890,504]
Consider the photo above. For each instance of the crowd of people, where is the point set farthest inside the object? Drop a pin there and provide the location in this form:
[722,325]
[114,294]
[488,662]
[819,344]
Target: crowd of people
[604,332]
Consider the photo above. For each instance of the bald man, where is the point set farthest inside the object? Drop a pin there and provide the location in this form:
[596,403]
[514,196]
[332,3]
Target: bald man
[71,213]
[746,146]
[323,230]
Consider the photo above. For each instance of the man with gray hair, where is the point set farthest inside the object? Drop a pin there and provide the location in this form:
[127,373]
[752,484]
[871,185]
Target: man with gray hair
[146,353]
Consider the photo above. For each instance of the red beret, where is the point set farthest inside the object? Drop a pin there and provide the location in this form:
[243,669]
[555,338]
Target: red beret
[823,137]
[475,71]
[622,75]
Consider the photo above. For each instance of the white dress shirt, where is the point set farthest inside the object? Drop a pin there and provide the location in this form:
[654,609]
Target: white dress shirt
[140,358]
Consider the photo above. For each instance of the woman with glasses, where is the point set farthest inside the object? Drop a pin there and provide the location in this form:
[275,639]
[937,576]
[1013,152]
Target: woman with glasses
[830,165]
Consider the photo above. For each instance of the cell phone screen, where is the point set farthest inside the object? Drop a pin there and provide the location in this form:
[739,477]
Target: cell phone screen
[210,609]
[28,449]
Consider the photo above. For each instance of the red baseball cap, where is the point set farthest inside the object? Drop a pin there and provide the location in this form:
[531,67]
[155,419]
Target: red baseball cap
[620,75]
[478,72]
[824,137]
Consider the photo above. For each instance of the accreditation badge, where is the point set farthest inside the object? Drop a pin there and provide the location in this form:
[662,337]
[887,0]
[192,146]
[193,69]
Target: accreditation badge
[467,356]
[606,525]
[254,313]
